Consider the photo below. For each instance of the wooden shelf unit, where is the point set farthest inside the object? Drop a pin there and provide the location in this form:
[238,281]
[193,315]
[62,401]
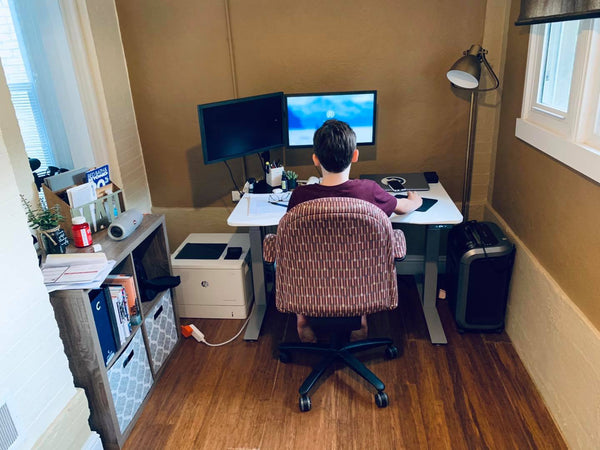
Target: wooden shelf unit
[131,372]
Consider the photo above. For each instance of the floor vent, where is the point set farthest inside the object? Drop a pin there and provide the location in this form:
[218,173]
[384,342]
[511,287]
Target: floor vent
[8,430]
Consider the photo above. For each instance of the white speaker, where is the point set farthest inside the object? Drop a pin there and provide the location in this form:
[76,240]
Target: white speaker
[125,224]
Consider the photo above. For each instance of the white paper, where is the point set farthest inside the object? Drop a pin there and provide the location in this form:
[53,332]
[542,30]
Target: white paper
[261,205]
[69,259]
[81,194]
[51,274]
[76,271]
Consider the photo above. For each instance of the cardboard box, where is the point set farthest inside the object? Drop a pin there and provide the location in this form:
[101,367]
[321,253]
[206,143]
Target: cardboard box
[103,210]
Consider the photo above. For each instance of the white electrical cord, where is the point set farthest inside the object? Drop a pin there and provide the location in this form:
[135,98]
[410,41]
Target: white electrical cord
[199,336]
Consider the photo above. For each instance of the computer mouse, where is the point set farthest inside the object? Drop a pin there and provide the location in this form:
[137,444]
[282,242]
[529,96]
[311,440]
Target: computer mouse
[313,180]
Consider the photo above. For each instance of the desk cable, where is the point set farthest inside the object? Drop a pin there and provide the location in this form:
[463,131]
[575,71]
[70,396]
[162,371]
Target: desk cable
[237,188]
[191,330]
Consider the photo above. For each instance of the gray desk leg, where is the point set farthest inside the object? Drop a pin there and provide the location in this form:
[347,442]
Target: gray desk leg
[429,294]
[258,277]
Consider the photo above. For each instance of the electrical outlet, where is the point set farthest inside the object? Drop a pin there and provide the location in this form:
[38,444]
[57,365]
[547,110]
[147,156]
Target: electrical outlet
[235,196]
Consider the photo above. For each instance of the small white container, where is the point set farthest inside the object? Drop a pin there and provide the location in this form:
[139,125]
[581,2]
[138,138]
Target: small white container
[274,176]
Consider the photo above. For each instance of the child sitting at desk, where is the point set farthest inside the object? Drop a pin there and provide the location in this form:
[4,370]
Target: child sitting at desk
[335,151]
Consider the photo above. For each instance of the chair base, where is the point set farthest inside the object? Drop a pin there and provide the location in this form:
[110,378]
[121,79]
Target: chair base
[335,351]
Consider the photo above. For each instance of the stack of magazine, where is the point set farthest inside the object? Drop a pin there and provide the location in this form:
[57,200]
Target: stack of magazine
[76,271]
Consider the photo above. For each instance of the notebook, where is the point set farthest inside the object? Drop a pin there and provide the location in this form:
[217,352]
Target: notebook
[411,181]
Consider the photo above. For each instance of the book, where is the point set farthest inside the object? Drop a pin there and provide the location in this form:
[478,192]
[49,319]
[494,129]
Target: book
[103,324]
[128,283]
[99,176]
[119,313]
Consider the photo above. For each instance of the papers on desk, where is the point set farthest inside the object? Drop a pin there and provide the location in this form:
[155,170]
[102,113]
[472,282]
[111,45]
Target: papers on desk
[76,271]
[261,205]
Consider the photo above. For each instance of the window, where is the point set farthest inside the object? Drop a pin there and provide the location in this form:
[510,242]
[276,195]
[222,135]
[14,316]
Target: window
[46,66]
[22,91]
[561,102]
[556,73]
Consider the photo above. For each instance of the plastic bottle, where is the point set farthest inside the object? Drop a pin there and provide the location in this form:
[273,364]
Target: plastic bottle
[82,236]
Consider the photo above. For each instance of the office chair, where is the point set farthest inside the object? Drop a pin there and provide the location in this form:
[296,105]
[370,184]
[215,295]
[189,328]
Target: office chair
[335,262]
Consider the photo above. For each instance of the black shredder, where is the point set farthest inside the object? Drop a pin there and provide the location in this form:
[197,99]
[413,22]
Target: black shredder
[479,266]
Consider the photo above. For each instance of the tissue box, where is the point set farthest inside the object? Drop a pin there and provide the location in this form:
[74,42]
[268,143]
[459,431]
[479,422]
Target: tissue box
[274,176]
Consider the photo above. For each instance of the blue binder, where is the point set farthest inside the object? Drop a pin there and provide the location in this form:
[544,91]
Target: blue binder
[103,324]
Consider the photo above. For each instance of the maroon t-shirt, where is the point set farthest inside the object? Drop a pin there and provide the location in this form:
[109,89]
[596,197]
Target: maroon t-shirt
[367,190]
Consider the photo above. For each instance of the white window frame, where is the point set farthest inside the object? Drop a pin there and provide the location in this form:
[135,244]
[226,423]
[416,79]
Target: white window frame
[75,110]
[568,137]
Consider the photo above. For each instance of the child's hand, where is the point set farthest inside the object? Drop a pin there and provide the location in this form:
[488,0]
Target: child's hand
[408,204]
[416,198]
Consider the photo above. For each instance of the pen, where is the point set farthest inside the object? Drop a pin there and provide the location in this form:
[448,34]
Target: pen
[279,204]
[267,167]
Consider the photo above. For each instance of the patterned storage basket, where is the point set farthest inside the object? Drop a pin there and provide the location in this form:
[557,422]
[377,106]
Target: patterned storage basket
[161,330]
[130,380]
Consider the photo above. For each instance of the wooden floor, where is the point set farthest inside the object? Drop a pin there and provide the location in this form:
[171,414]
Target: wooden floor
[473,393]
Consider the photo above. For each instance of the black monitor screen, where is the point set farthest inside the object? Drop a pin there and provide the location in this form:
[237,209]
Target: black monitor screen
[239,127]
[307,112]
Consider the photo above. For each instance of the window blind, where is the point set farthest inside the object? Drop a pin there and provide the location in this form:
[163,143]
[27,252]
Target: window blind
[545,11]
[22,92]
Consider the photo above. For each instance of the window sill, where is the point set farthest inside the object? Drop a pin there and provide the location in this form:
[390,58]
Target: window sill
[582,158]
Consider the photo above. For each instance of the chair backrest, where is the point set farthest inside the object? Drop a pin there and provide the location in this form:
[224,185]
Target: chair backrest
[335,258]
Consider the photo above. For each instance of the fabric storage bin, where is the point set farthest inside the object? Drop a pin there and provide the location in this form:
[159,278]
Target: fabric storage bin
[130,380]
[161,330]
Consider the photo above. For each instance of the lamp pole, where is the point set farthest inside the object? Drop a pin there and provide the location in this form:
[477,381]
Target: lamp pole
[465,74]
[469,155]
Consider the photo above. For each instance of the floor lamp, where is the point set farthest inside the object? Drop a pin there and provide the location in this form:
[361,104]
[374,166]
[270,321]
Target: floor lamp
[465,74]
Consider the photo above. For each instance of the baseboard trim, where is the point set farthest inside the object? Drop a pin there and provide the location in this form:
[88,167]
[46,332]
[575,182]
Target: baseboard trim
[70,429]
[558,345]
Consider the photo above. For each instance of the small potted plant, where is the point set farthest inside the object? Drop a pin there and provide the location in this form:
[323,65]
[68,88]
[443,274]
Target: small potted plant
[292,178]
[47,222]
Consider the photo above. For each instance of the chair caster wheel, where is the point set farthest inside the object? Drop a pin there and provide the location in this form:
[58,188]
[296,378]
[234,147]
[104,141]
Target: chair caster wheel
[284,357]
[391,352]
[381,399]
[304,403]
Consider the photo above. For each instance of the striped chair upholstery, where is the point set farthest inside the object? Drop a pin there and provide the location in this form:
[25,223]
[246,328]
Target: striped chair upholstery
[335,261]
[335,258]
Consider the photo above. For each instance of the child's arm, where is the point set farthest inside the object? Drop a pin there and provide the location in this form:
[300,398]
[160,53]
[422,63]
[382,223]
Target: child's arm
[408,204]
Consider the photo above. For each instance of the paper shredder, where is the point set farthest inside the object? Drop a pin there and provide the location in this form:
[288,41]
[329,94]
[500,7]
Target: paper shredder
[479,266]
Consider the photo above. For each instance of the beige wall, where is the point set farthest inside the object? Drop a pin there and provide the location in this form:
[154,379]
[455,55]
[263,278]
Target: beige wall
[106,61]
[552,208]
[178,56]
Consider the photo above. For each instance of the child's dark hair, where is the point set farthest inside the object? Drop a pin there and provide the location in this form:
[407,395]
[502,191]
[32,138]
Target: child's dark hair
[334,143]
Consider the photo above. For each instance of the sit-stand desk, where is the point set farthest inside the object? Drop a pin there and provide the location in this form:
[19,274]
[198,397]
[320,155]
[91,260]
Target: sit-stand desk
[255,212]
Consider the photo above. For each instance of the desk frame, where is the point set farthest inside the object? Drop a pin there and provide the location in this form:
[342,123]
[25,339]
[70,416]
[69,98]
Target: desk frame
[259,308]
[427,289]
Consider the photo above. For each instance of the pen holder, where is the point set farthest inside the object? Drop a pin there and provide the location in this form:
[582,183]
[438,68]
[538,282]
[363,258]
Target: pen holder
[274,176]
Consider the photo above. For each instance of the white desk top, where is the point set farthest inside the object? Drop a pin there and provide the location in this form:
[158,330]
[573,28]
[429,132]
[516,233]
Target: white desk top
[254,210]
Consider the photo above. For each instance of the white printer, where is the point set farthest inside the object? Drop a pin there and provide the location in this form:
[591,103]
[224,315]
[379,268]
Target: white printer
[216,278]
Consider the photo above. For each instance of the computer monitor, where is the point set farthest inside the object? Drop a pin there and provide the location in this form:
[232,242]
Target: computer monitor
[307,112]
[235,128]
